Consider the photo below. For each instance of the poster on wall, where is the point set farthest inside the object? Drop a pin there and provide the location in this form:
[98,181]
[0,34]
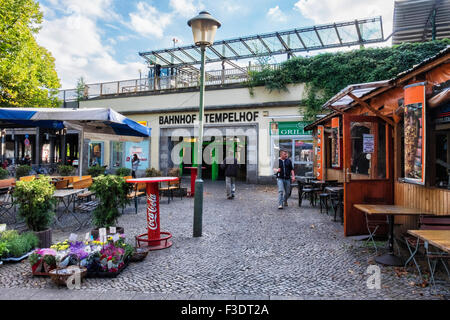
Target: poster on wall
[335,143]
[414,130]
[319,153]
[141,149]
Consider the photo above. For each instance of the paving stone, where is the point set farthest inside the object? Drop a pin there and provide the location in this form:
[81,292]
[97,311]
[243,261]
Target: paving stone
[248,250]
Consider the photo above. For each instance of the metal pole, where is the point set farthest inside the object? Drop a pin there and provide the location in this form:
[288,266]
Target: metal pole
[198,198]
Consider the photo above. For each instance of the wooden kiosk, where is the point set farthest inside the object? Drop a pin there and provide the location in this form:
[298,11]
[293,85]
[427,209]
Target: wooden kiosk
[388,142]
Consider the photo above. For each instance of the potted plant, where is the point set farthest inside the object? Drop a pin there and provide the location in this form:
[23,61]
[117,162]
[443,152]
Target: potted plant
[111,191]
[123,172]
[22,171]
[16,247]
[3,174]
[96,170]
[65,170]
[152,172]
[36,207]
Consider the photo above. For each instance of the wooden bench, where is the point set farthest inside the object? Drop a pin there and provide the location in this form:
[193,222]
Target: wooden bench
[83,184]
[27,178]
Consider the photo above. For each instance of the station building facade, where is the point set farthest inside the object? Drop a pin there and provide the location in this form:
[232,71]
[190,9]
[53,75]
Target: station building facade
[251,125]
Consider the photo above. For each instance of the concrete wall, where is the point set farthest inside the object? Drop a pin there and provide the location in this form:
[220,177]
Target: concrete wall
[270,106]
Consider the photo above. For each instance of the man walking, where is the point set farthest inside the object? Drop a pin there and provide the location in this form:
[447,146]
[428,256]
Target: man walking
[231,167]
[285,173]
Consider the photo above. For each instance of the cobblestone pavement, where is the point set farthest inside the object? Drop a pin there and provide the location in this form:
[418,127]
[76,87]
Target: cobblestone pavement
[249,250]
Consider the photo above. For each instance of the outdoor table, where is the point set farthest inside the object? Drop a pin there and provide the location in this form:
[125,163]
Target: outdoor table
[389,258]
[67,197]
[193,177]
[304,178]
[154,238]
[437,238]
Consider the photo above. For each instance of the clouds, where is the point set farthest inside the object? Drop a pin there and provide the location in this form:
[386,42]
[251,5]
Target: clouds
[75,40]
[326,11]
[148,21]
[186,8]
[276,14]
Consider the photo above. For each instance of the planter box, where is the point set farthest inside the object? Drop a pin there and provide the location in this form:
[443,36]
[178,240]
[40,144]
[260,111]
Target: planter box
[17,259]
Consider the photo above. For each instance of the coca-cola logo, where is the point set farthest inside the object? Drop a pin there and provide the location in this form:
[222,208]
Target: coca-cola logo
[152,212]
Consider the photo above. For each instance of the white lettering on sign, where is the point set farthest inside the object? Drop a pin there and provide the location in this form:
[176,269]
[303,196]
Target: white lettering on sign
[152,212]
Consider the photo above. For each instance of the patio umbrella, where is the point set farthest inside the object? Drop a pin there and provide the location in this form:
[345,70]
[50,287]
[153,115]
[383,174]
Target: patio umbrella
[101,123]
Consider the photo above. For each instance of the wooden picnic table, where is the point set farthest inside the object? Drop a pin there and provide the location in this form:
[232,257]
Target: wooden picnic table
[438,238]
[390,258]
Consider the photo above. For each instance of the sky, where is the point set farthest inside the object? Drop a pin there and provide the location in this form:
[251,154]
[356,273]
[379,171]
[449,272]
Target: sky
[99,40]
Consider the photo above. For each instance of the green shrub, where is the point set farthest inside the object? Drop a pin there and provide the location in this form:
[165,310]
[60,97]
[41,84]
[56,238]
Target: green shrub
[96,170]
[123,172]
[35,200]
[3,249]
[326,74]
[111,191]
[22,171]
[174,172]
[14,245]
[152,172]
[65,170]
[3,174]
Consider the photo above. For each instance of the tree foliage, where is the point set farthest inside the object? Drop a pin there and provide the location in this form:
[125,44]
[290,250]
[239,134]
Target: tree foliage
[328,73]
[27,70]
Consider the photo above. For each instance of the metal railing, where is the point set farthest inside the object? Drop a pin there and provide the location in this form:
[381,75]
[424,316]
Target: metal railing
[182,80]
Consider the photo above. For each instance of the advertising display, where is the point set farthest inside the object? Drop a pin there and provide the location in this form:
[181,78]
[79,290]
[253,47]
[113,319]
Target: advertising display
[414,126]
[335,143]
[319,153]
[142,151]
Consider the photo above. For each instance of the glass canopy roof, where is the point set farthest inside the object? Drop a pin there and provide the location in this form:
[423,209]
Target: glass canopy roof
[356,32]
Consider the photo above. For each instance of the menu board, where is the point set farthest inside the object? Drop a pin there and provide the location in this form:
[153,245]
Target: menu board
[319,153]
[414,127]
[335,143]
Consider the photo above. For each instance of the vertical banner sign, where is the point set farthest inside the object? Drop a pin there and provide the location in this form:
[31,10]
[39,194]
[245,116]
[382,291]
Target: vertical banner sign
[319,153]
[335,143]
[414,127]
[153,212]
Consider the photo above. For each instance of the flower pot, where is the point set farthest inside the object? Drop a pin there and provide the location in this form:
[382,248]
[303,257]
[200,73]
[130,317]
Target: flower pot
[45,238]
[95,233]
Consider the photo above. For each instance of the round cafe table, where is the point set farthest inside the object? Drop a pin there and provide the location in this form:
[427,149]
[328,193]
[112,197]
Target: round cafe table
[154,238]
[193,177]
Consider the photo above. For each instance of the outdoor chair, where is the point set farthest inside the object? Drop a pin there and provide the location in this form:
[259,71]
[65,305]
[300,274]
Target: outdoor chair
[61,184]
[337,204]
[308,192]
[138,191]
[7,204]
[170,188]
[414,245]
[375,222]
[323,201]
[83,184]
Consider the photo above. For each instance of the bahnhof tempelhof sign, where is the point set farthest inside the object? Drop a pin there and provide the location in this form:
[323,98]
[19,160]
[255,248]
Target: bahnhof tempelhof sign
[221,117]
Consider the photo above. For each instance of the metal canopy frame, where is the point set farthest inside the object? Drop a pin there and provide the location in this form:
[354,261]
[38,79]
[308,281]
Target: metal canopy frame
[344,34]
[420,20]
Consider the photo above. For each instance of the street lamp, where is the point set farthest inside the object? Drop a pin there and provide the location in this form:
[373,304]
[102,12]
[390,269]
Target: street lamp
[204,28]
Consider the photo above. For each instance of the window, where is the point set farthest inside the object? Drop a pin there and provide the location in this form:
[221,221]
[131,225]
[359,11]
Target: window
[95,153]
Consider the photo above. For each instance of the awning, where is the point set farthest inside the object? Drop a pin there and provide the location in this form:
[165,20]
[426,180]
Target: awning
[99,120]
[101,123]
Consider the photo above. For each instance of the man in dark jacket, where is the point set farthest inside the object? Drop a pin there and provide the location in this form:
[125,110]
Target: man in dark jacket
[231,167]
[285,174]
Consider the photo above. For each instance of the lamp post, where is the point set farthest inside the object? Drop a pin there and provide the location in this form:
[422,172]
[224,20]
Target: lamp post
[204,28]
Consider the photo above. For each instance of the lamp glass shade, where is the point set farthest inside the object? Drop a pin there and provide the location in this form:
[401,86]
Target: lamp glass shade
[204,28]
